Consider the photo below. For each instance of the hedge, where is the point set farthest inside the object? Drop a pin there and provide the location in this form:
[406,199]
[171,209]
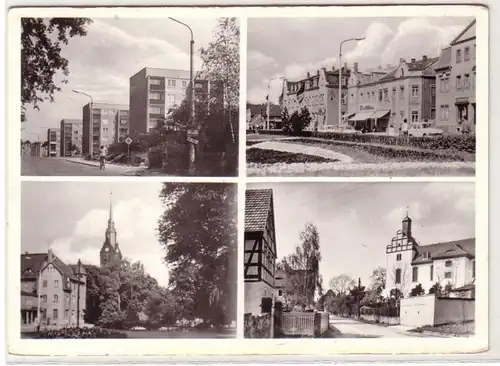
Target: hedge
[458,142]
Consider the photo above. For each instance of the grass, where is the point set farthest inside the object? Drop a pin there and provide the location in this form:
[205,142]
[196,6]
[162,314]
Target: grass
[264,156]
[457,329]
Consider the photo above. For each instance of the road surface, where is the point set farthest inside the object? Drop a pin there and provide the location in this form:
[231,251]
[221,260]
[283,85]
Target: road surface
[350,328]
[36,166]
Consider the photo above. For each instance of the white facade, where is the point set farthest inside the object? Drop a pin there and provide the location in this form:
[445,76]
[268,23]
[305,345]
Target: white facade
[409,264]
[254,292]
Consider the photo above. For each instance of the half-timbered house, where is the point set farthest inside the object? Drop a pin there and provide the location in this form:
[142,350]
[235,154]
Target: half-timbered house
[260,249]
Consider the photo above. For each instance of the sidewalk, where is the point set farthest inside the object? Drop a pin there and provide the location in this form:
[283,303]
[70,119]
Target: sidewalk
[125,169]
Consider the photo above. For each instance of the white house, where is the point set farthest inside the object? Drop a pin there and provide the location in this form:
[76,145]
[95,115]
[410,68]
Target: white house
[409,264]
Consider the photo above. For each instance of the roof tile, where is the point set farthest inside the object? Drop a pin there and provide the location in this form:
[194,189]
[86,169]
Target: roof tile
[257,205]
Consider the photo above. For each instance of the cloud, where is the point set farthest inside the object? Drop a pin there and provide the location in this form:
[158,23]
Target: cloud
[416,210]
[136,227]
[256,59]
[376,37]
[299,71]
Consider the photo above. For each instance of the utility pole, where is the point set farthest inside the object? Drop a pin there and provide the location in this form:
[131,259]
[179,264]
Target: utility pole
[78,294]
[358,294]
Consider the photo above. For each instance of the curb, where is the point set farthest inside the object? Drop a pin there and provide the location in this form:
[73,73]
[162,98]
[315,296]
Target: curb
[82,163]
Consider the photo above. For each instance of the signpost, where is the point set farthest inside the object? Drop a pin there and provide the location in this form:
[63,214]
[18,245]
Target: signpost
[128,141]
[193,141]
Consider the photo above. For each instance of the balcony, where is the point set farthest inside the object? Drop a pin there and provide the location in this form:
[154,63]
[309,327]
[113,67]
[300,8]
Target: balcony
[157,101]
[156,87]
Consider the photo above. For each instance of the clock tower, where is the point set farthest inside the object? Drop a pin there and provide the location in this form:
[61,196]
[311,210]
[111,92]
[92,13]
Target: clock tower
[110,251]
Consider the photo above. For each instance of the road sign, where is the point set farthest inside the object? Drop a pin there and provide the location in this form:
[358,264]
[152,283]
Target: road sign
[128,140]
[193,141]
[193,132]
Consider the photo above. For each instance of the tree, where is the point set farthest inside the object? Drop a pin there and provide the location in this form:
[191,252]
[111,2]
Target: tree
[418,290]
[378,278]
[302,267]
[285,120]
[436,289]
[198,232]
[41,59]
[341,284]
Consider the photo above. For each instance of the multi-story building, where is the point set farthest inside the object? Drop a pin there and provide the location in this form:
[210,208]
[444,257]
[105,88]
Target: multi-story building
[410,264]
[378,100]
[319,93]
[257,114]
[110,124]
[71,136]
[456,79]
[110,251]
[153,92]
[53,289]
[260,249]
[53,142]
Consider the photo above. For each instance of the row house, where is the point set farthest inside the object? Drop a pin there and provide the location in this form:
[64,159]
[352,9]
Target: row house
[383,98]
[320,94]
[456,83]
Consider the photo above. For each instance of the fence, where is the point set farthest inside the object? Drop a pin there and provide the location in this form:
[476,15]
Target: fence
[297,324]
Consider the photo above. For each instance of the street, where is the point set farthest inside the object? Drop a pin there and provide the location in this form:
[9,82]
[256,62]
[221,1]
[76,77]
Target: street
[36,166]
[350,328]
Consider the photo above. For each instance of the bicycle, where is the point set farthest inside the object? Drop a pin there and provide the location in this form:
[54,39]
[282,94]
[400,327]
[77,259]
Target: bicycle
[102,164]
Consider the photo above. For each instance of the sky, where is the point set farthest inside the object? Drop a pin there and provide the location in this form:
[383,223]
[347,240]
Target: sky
[71,218]
[356,221]
[290,47]
[102,63]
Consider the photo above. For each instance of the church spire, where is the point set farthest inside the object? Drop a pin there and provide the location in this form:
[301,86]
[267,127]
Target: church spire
[110,206]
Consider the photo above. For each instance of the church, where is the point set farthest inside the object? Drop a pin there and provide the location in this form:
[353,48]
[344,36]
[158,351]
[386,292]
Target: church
[408,263]
[110,251]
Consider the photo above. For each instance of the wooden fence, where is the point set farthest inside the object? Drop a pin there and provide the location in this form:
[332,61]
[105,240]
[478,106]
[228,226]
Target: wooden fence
[297,324]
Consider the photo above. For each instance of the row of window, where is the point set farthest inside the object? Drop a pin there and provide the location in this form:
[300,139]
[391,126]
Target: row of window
[466,54]
[383,94]
[171,83]
[447,274]
[55,314]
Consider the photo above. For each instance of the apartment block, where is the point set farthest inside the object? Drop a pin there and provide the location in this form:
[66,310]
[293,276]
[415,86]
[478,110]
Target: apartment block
[54,142]
[456,77]
[71,136]
[153,92]
[110,123]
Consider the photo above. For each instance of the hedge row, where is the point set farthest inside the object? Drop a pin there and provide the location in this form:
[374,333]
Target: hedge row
[458,142]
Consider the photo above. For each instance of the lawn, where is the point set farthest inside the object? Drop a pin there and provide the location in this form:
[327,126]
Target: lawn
[460,329]
[264,156]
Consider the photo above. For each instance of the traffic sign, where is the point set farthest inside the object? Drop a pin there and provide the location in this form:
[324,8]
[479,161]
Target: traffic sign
[193,141]
[128,140]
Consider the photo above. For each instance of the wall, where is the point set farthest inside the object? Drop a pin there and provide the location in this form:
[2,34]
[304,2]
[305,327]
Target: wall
[454,311]
[299,324]
[417,311]
[424,276]
[392,320]
[428,101]
[52,275]
[138,103]
[406,271]
[254,292]
[86,136]
[321,322]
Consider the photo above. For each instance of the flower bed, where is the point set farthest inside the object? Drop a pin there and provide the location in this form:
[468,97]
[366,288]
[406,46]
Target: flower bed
[73,332]
[456,142]
[264,156]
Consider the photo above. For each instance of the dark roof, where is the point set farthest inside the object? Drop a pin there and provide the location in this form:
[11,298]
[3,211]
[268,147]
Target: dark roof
[31,264]
[421,64]
[450,249]
[444,60]
[258,203]
[255,109]
[463,32]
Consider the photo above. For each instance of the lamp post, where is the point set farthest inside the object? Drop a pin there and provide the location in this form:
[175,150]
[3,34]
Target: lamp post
[78,275]
[268,102]
[91,121]
[340,74]
[191,92]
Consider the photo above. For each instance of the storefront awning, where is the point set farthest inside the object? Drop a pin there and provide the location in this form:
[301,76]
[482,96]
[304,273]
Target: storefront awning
[379,114]
[361,116]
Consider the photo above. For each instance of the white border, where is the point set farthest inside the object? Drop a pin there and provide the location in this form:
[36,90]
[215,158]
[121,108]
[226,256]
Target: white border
[315,347]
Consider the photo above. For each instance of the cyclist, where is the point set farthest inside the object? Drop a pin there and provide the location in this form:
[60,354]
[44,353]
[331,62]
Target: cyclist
[103,151]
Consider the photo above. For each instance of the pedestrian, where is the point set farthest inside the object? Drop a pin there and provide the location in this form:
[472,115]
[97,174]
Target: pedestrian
[103,151]
[465,126]
[404,129]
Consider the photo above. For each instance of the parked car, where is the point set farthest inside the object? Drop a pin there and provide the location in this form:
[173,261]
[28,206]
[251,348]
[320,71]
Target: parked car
[423,129]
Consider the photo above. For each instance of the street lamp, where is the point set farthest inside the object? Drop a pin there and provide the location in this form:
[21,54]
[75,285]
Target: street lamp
[340,74]
[78,275]
[91,121]
[268,102]
[191,91]
[192,152]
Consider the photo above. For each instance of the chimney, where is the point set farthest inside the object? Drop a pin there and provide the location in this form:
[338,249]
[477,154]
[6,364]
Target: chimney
[355,67]
[413,60]
[50,256]
[402,59]
[308,75]
[424,57]
[317,72]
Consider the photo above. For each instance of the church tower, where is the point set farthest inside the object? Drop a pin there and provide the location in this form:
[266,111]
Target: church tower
[110,251]
[399,256]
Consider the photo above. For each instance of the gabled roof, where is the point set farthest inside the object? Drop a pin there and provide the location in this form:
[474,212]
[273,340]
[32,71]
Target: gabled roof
[258,204]
[457,38]
[451,249]
[444,60]
[32,263]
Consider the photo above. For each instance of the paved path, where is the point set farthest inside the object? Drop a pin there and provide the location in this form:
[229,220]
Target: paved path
[350,328]
[35,166]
